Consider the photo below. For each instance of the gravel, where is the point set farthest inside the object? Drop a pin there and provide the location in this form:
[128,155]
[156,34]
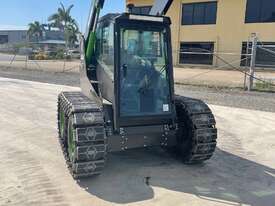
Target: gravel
[262,101]
[225,97]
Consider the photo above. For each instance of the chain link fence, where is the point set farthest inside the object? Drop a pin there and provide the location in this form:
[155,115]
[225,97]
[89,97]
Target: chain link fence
[32,57]
[254,67]
[222,69]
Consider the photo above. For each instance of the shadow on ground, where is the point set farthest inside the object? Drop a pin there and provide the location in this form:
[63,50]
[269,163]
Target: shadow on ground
[130,177]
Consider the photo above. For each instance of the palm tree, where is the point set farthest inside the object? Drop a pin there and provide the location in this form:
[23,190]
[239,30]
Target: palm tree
[35,30]
[62,17]
[71,32]
[64,21]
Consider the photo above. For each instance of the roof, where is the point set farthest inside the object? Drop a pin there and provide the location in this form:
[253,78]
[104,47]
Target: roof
[52,42]
[13,28]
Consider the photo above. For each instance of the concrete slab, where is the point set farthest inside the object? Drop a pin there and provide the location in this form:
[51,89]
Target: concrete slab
[33,171]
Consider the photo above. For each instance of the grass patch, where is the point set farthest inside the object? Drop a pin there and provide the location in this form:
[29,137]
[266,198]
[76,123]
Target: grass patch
[267,85]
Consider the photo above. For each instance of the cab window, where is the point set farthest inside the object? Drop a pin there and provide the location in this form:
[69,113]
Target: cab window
[105,48]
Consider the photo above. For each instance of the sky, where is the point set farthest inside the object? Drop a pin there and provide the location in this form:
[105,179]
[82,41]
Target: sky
[17,14]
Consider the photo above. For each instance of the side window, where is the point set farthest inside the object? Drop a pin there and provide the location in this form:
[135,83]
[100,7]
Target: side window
[106,48]
[98,43]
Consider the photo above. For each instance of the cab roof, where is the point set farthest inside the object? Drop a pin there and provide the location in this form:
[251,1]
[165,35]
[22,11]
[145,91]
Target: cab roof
[134,17]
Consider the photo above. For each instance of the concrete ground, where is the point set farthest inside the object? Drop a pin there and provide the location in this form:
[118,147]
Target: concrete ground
[33,171]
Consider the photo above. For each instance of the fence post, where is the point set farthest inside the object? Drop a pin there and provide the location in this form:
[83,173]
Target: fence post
[26,62]
[252,62]
[246,65]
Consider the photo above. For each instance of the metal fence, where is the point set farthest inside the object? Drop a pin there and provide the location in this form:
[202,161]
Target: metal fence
[250,60]
[56,59]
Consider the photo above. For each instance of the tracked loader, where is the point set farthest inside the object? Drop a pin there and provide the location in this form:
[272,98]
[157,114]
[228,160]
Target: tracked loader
[127,97]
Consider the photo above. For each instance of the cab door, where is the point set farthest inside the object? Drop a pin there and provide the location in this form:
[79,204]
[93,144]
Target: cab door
[143,73]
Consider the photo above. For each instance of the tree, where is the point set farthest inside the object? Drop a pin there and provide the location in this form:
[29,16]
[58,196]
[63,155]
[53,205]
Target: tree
[35,30]
[71,32]
[64,21]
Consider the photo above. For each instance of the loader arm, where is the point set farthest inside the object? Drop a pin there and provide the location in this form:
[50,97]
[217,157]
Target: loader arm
[90,35]
[160,7]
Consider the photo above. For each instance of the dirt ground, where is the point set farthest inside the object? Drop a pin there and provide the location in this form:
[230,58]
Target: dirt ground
[33,171]
[218,78]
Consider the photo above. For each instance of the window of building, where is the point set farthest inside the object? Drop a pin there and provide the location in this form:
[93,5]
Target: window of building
[196,53]
[264,57]
[258,11]
[199,13]
[141,10]
[4,39]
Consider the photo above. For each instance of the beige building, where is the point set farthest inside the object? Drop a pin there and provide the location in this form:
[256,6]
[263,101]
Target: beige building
[201,27]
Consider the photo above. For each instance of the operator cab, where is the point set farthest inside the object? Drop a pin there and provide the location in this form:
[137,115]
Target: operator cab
[135,50]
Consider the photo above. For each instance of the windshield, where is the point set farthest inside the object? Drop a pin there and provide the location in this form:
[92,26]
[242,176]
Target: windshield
[144,82]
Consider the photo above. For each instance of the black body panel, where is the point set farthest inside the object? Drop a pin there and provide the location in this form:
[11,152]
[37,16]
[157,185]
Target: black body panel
[146,136]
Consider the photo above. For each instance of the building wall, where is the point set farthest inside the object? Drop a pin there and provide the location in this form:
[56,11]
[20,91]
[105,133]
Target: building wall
[228,33]
[15,36]
[21,36]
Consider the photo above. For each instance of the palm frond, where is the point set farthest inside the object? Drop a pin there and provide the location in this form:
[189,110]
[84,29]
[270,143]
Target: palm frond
[53,17]
[68,11]
[62,7]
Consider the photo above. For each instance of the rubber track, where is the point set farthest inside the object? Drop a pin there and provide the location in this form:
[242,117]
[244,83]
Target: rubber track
[89,133]
[203,126]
